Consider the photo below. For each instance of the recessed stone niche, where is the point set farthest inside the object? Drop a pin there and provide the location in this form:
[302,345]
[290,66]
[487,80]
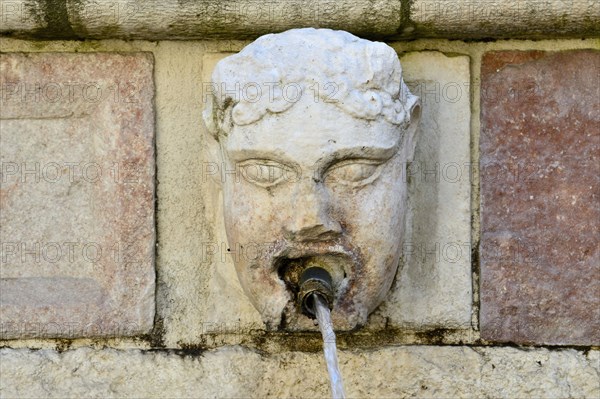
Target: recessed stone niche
[77,195]
[433,284]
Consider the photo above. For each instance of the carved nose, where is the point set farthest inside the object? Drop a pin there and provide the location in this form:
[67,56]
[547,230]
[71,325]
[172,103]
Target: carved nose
[311,220]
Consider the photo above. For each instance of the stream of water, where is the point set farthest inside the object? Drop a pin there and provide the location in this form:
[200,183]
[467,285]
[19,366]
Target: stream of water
[329,348]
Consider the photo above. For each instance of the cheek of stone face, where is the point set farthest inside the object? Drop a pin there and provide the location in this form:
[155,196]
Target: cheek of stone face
[374,215]
[247,213]
[373,212]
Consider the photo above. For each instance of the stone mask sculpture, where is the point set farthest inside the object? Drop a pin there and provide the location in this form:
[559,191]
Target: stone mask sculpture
[316,128]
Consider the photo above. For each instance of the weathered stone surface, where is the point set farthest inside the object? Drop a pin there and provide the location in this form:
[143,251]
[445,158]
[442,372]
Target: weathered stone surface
[540,171]
[433,283]
[169,19]
[76,194]
[197,292]
[316,178]
[516,18]
[433,287]
[393,372]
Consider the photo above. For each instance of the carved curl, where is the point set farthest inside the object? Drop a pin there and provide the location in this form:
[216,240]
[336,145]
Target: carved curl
[361,77]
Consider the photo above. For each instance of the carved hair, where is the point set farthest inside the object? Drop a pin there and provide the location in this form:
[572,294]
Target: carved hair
[361,77]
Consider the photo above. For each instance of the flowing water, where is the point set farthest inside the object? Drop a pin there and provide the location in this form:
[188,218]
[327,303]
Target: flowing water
[329,349]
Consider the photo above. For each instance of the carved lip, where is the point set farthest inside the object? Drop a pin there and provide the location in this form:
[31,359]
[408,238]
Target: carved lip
[339,260]
[302,250]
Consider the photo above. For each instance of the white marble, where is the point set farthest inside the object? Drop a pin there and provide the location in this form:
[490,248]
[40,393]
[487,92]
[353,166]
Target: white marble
[315,128]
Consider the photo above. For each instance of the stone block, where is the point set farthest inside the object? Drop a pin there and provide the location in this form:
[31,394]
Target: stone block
[198,290]
[389,372]
[170,19]
[433,285]
[502,19]
[77,195]
[540,180]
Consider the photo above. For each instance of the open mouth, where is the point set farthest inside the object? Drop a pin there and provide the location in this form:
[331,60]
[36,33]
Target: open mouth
[338,265]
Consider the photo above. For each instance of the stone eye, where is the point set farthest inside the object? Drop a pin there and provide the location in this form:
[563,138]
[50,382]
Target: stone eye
[265,173]
[354,172]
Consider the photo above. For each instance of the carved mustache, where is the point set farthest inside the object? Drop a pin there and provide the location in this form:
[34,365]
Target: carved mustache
[291,250]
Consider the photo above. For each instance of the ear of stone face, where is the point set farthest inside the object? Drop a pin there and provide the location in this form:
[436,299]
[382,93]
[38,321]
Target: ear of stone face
[411,133]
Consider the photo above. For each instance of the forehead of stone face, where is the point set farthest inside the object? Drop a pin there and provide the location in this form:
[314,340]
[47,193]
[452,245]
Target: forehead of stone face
[312,130]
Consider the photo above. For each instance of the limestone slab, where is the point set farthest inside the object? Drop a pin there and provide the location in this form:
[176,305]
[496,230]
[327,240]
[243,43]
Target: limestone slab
[501,19]
[198,290]
[170,19]
[347,135]
[433,283]
[540,176]
[76,195]
[390,372]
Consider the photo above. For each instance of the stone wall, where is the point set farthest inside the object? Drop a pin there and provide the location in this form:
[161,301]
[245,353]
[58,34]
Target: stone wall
[244,19]
[116,277]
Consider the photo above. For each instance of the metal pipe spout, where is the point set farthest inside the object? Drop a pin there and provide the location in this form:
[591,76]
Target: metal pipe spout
[314,281]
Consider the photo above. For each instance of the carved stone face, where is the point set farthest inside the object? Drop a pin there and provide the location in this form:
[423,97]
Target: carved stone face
[314,182]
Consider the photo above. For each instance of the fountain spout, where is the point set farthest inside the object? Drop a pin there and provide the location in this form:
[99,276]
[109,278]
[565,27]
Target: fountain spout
[314,280]
[315,300]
